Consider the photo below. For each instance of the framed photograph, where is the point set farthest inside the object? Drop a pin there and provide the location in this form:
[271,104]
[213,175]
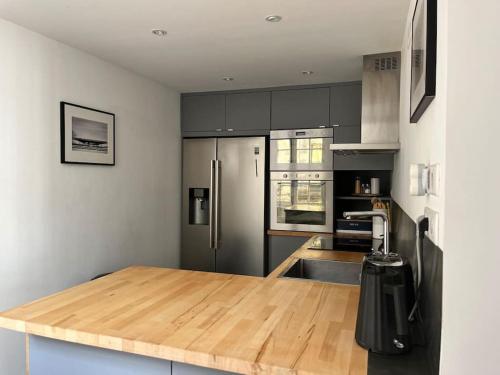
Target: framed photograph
[87,135]
[423,57]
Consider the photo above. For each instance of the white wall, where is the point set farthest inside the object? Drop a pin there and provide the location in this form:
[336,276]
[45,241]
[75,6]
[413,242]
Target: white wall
[423,142]
[460,130]
[471,324]
[62,224]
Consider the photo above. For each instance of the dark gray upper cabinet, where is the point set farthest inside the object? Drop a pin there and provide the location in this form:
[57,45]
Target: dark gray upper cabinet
[257,111]
[347,134]
[203,113]
[345,105]
[248,111]
[300,108]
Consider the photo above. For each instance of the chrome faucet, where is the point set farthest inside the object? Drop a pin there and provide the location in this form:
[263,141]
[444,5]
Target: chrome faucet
[383,215]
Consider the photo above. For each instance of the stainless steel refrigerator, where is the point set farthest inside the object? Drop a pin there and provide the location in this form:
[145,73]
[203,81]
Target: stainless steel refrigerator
[223,188]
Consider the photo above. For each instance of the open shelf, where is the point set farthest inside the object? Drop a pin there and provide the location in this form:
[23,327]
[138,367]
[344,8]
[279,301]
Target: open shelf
[347,200]
[345,182]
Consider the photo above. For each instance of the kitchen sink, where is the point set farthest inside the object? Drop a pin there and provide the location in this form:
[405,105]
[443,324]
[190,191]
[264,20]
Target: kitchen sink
[330,271]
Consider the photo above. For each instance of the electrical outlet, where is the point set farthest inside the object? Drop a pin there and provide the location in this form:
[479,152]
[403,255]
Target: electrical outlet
[433,232]
[434,179]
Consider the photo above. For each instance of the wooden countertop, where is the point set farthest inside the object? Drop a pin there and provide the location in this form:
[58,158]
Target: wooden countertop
[291,233]
[228,322]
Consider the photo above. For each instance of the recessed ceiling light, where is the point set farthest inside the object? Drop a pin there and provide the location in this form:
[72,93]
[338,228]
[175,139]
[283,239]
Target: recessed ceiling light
[307,72]
[273,18]
[159,32]
[228,79]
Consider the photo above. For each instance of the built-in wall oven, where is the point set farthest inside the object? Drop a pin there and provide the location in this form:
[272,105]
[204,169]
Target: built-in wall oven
[301,150]
[302,201]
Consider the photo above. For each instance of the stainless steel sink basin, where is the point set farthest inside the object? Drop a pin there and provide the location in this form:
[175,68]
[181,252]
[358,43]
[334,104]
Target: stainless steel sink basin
[330,271]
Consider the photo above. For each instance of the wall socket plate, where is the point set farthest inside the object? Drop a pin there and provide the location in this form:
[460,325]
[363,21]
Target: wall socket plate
[434,180]
[433,232]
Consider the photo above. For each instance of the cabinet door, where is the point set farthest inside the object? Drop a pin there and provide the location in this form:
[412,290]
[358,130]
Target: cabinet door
[345,105]
[347,134]
[248,111]
[186,369]
[300,108]
[202,113]
[281,247]
[55,357]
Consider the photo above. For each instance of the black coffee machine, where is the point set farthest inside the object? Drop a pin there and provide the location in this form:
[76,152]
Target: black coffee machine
[387,296]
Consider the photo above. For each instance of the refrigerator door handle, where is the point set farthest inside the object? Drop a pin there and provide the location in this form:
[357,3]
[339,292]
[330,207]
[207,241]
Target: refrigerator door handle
[211,204]
[217,205]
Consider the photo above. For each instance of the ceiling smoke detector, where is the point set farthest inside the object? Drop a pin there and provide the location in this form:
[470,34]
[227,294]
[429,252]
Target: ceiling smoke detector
[159,32]
[307,72]
[273,18]
[227,79]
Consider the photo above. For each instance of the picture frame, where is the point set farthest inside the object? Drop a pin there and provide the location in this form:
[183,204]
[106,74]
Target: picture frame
[423,57]
[87,135]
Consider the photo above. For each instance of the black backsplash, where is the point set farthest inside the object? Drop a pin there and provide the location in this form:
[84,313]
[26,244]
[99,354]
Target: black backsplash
[422,359]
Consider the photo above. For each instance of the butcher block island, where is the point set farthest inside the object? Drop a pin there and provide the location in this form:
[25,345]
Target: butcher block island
[225,322]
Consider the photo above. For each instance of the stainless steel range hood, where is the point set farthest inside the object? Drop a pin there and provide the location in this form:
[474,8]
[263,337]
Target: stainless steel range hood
[380,106]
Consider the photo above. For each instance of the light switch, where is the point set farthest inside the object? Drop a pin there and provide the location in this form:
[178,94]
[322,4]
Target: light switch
[434,179]
[424,179]
[418,179]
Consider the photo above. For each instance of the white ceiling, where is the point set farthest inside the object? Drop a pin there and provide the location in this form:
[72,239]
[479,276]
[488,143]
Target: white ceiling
[210,39]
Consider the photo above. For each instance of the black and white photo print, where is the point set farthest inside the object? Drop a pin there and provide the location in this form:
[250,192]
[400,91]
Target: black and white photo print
[423,60]
[87,135]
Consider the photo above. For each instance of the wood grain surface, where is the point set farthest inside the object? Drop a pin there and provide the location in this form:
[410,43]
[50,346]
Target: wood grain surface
[291,233]
[235,323]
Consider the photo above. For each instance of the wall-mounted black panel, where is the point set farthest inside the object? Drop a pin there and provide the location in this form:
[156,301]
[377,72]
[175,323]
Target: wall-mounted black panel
[422,359]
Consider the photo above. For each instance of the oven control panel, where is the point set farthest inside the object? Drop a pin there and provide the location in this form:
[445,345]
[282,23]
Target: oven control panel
[303,176]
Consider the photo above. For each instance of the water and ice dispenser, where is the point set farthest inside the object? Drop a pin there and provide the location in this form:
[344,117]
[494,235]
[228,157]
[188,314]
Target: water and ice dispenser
[199,206]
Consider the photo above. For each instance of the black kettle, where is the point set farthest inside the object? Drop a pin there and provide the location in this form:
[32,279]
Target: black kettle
[387,296]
